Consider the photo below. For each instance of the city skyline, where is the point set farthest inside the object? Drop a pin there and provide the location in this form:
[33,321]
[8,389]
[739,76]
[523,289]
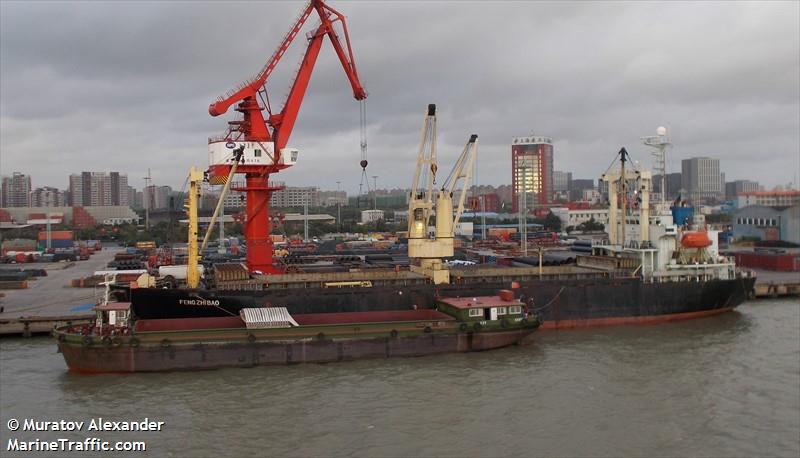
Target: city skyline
[565,188]
[577,77]
[572,176]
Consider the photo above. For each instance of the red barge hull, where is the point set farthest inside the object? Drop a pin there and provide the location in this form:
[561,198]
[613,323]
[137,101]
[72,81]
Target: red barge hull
[198,356]
[216,342]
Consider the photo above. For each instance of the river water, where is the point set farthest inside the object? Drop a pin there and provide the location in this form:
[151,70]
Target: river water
[719,386]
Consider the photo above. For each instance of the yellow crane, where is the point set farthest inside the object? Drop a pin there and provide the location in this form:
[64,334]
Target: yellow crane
[427,252]
[196,178]
[195,182]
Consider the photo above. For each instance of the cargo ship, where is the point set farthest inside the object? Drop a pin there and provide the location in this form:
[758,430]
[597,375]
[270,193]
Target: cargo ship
[649,270]
[120,342]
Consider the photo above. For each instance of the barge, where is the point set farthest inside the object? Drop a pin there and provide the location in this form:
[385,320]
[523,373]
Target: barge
[118,342]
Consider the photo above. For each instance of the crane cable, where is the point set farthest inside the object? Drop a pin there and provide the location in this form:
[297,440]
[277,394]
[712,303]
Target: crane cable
[364,162]
[363,126]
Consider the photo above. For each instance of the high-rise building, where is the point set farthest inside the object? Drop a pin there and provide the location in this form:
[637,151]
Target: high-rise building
[138,200]
[48,197]
[734,188]
[332,198]
[531,171]
[236,199]
[99,189]
[561,182]
[157,197]
[673,185]
[16,191]
[119,189]
[295,197]
[701,179]
[578,186]
[132,198]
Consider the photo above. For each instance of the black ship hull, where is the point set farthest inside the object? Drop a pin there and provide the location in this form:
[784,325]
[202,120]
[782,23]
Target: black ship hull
[561,304]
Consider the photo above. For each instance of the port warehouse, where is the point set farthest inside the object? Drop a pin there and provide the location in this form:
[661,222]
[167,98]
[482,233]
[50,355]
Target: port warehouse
[767,223]
[77,217]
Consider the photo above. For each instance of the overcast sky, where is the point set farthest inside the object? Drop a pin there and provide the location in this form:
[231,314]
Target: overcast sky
[126,85]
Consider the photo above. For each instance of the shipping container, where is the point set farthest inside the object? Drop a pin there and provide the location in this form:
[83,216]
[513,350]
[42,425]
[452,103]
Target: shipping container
[19,245]
[61,244]
[13,284]
[769,261]
[57,235]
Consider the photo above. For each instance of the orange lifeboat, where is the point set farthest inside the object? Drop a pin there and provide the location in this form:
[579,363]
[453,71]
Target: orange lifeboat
[695,240]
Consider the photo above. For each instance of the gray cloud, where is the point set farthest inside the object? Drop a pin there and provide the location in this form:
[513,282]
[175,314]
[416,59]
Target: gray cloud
[125,85]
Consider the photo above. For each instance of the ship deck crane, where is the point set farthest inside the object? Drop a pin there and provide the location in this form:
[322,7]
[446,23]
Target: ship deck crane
[424,201]
[265,138]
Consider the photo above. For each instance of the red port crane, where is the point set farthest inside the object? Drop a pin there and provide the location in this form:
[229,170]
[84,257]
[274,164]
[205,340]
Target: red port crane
[265,139]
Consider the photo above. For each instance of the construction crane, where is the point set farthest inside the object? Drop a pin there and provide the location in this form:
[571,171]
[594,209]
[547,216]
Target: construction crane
[424,202]
[264,138]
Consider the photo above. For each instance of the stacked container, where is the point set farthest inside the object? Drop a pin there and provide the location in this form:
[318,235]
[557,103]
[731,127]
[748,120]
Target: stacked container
[60,241]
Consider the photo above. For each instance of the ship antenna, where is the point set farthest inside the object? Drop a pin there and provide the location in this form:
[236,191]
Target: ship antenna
[623,192]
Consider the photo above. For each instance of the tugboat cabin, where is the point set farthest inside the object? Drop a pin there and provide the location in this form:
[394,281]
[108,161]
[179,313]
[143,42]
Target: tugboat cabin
[484,308]
[113,315]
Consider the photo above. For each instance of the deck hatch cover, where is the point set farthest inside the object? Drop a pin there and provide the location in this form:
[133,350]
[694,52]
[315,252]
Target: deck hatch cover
[267,317]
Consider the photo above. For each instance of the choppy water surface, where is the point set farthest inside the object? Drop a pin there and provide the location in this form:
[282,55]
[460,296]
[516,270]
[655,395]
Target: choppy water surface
[720,386]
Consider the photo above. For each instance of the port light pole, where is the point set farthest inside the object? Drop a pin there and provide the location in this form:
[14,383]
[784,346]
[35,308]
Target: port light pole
[338,208]
[146,196]
[523,209]
[375,192]
[305,218]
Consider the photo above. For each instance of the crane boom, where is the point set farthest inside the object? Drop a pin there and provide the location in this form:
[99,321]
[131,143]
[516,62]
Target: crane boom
[421,198]
[462,170]
[428,253]
[254,126]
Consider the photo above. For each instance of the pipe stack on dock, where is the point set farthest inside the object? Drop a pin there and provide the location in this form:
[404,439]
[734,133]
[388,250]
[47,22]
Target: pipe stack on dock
[582,246]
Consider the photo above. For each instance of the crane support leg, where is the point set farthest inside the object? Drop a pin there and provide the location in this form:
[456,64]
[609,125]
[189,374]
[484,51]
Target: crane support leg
[258,226]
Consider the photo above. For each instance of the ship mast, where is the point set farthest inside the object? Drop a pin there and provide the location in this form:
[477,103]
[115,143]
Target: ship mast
[660,142]
[623,193]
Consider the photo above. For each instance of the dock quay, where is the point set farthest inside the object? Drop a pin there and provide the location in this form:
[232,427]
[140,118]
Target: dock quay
[776,284]
[771,290]
[50,300]
[27,326]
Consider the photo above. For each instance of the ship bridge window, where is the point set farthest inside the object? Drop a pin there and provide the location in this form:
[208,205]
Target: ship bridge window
[475,312]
